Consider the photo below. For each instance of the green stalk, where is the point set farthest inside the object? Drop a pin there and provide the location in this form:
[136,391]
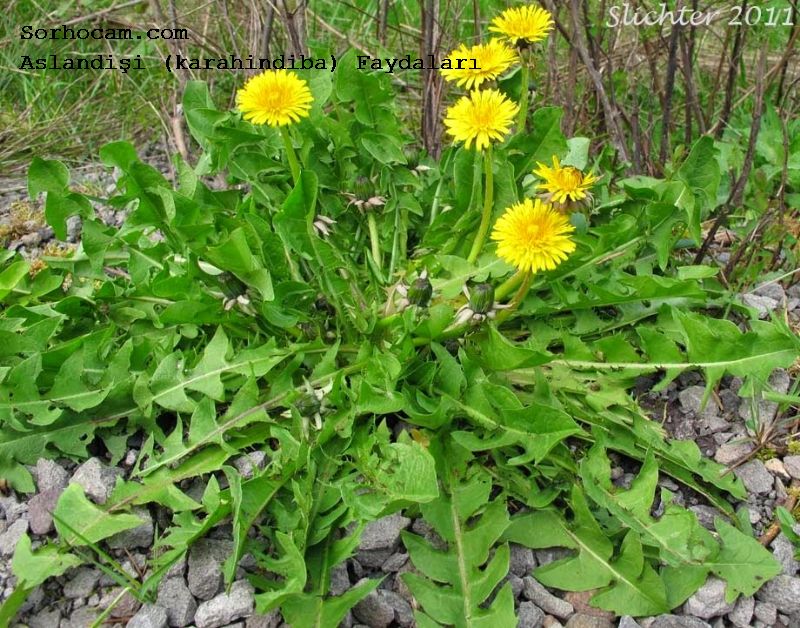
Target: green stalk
[436,196]
[508,285]
[374,239]
[522,116]
[447,334]
[518,297]
[384,322]
[486,215]
[290,154]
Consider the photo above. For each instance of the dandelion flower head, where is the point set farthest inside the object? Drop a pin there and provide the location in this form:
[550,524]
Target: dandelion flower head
[533,236]
[491,59]
[564,183]
[482,117]
[274,97]
[523,24]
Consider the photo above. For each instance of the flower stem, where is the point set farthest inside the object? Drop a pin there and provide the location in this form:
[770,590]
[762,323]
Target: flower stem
[486,215]
[522,116]
[386,321]
[374,239]
[448,334]
[290,154]
[518,297]
[508,285]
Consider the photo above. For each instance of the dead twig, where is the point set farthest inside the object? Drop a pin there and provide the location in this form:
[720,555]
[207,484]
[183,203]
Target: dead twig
[775,527]
[611,113]
[431,81]
[737,190]
[294,21]
[666,121]
[733,72]
[383,16]
[266,29]
[790,45]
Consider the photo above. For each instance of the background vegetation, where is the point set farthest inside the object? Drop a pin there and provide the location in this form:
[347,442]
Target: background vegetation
[649,90]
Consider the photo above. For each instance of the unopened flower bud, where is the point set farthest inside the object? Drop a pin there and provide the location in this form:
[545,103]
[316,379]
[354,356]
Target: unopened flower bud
[231,286]
[363,188]
[308,405]
[481,298]
[321,304]
[420,292]
[310,332]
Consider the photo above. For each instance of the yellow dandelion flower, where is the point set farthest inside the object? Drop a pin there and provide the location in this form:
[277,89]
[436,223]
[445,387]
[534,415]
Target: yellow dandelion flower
[527,24]
[274,97]
[481,117]
[564,183]
[533,236]
[491,59]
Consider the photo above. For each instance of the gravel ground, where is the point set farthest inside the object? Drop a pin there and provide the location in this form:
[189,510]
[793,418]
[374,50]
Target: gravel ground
[192,594]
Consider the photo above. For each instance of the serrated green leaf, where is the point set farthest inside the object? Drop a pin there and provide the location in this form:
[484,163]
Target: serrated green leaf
[11,276]
[536,429]
[80,522]
[46,175]
[700,172]
[309,611]
[70,389]
[682,582]
[205,376]
[742,562]
[33,568]
[460,580]
[633,586]
[249,500]
[578,152]
[500,354]
[696,272]
[720,347]
[678,536]
[58,207]
[167,385]
[638,590]
[291,565]
[409,473]
[373,401]
[382,148]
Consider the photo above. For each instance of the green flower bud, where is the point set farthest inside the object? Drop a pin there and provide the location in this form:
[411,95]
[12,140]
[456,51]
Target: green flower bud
[481,298]
[308,405]
[231,286]
[363,188]
[452,347]
[420,292]
[321,304]
[310,332]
